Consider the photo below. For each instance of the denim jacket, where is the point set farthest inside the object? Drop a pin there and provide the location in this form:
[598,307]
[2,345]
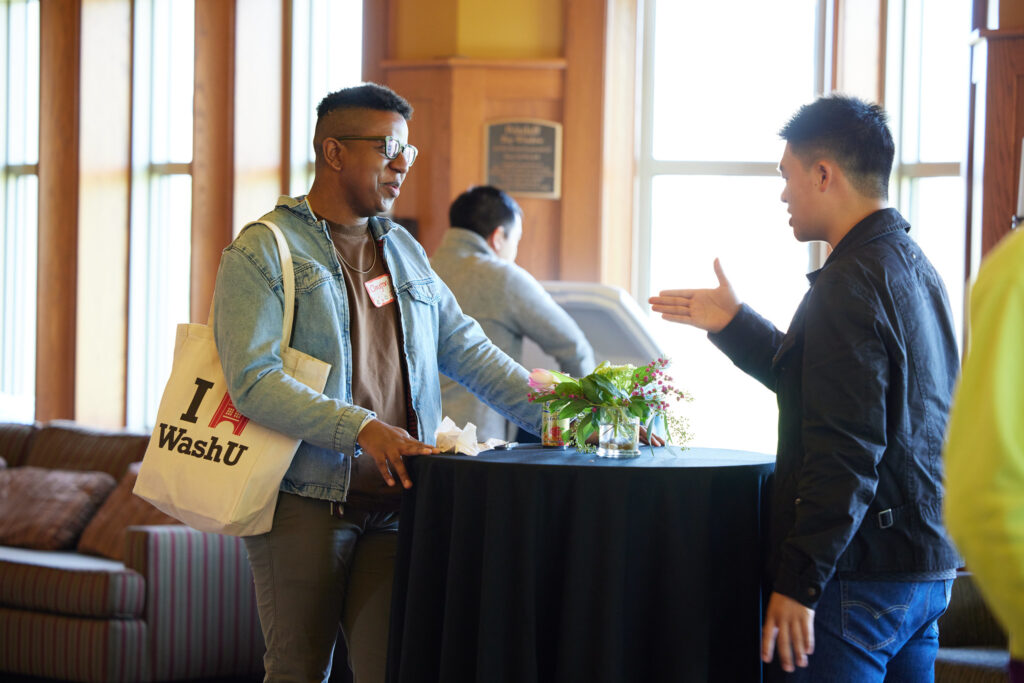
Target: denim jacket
[436,335]
[864,379]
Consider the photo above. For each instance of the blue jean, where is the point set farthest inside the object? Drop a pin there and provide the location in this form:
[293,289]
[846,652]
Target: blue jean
[875,631]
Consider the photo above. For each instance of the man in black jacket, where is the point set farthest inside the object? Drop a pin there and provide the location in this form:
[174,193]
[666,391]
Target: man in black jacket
[861,566]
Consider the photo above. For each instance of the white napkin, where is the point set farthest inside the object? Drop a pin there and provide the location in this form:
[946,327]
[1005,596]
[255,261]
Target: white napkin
[450,439]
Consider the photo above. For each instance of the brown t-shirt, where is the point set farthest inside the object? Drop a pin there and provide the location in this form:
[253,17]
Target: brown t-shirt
[378,379]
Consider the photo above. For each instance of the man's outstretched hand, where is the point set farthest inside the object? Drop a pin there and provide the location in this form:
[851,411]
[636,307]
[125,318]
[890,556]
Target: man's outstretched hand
[386,445]
[707,309]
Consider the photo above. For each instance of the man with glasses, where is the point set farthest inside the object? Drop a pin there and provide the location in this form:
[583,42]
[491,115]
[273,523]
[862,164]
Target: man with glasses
[368,303]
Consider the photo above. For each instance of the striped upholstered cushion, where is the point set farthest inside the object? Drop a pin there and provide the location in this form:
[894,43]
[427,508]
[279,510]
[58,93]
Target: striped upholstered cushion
[69,446]
[71,648]
[69,583]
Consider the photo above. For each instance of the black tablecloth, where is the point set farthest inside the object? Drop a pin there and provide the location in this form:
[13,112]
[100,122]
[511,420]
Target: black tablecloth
[546,565]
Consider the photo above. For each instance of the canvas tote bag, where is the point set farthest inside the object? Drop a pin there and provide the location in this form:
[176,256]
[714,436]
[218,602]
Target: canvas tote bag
[207,464]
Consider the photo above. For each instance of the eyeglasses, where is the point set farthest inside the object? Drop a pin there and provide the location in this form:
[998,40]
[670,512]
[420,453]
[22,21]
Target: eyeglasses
[392,146]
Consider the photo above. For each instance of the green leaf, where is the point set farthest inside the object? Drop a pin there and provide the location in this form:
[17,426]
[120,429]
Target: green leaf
[586,427]
[606,385]
[567,388]
[570,410]
[592,391]
[557,404]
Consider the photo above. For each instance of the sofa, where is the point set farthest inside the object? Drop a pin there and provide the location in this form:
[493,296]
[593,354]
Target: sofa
[96,584]
[972,645]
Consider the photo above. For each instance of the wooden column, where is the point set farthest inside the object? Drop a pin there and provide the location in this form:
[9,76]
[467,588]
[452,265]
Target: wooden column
[580,253]
[213,147]
[995,153]
[60,27]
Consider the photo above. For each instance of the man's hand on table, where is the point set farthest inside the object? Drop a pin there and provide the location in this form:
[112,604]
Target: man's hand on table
[386,445]
[653,440]
[792,626]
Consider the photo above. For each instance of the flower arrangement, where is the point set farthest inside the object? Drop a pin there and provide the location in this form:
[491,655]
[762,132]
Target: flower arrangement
[613,395]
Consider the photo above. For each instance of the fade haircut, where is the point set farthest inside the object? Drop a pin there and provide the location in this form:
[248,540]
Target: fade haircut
[482,209]
[365,96]
[330,111]
[853,133]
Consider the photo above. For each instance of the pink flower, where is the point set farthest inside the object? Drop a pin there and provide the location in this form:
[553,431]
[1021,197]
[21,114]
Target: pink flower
[544,381]
[541,380]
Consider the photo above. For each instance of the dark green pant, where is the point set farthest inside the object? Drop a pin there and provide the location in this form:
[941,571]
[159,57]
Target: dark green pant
[313,571]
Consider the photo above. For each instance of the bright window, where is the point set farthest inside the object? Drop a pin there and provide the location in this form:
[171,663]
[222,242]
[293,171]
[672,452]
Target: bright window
[19,203]
[927,98]
[161,211]
[327,45]
[710,186]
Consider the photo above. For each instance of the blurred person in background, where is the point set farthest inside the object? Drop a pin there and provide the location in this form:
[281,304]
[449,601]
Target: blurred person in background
[476,260]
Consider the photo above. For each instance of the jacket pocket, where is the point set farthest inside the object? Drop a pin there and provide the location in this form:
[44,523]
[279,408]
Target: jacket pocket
[309,276]
[424,291]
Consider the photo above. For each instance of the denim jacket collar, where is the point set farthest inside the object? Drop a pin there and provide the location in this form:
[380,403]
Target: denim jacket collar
[379,225]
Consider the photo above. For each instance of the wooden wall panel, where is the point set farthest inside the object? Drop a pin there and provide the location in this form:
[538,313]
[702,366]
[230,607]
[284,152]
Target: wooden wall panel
[60,44]
[426,188]
[453,99]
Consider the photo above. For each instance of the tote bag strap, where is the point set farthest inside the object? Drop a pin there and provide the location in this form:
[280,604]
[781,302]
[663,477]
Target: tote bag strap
[287,280]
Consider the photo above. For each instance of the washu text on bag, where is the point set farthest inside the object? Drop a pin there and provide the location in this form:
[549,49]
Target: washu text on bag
[208,465]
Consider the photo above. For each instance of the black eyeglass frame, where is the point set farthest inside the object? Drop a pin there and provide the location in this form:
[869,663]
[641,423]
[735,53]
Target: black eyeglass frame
[389,141]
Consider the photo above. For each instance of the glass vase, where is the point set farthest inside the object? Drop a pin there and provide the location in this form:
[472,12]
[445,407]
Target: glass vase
[618,434]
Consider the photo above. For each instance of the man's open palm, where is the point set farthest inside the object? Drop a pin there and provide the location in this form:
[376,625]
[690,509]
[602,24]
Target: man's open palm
[708,309]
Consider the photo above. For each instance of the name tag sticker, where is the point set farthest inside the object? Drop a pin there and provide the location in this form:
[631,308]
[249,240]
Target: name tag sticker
[380,291]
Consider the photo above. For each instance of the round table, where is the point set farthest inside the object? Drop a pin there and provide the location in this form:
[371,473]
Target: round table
[535,565]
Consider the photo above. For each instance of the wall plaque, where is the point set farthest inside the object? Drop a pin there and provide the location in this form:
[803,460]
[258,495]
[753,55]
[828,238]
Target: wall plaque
[524,157]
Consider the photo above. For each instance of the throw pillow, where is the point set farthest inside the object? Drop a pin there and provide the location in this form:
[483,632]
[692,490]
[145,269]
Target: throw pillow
[105,534]
[47,509]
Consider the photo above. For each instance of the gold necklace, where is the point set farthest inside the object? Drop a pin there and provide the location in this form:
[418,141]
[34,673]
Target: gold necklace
[338,251]
[361,272]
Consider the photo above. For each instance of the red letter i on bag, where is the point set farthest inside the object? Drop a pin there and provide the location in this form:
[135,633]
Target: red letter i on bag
[202,386]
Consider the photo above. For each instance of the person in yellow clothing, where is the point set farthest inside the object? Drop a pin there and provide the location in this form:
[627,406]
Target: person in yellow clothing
[985,443]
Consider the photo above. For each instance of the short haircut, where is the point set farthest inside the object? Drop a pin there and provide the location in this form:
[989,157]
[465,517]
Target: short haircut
[365,96]
[853,133]
[482,209]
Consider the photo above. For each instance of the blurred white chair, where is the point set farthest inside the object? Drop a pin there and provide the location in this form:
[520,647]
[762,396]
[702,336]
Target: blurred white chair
[611,319]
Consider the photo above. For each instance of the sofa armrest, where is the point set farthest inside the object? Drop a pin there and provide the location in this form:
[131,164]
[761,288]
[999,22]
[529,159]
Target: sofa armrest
[968,621]
[200,602]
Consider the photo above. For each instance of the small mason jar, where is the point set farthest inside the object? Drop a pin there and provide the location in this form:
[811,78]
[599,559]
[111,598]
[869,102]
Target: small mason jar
[553,431]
